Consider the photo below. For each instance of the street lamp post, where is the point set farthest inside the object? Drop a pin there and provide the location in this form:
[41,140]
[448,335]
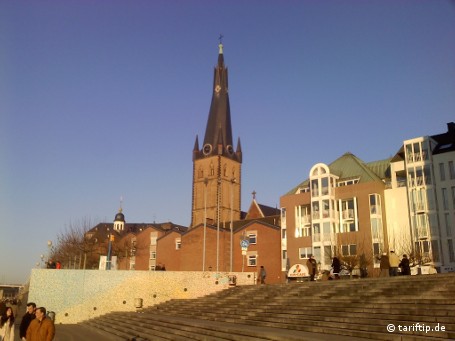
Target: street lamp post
[206,181]
[232,219]
[218,225]
[109,250]
[244,243]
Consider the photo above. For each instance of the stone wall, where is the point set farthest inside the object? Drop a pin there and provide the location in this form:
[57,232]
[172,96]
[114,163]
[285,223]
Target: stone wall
[78,295]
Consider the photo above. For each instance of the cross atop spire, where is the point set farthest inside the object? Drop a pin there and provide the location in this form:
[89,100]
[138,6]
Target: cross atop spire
[220,45]
[121,204]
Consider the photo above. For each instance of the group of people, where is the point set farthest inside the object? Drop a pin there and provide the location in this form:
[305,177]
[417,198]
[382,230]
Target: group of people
[53,265]
[35,325]
[389,265]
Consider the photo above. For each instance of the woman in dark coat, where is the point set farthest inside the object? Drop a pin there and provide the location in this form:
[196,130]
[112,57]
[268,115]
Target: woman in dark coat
[336,265]
[404,265]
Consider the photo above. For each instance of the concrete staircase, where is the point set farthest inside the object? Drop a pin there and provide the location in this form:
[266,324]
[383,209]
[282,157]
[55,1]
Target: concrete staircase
[345,309]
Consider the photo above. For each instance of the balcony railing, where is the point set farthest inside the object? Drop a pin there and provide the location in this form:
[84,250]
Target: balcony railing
[417,157]
[305,220]
[419,207]
[348,214]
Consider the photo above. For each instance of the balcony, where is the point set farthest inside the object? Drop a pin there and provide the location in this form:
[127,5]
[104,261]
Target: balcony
[305,220]
[420,207]
[348,215]
[417,157]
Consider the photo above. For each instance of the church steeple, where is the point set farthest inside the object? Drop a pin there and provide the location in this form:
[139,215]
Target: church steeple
[217,165]
[219,127]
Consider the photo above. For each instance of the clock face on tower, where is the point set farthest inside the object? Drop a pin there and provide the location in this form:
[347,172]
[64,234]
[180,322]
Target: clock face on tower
[207,149]
[217,88]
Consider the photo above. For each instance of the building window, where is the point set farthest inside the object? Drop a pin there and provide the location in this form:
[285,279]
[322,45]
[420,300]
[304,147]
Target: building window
[451,250]
[325,186]
[445,199]
[304,252]
[442,173]
[375,204]
[376,228]
[448,224]
[325,209]
[283,213]
[252,260]
[283,233]
[329,253]
[303,231]
[316,233]
[451,170]
[252,237]
[435,250]
[178,244]
[349,250]
[153,239]
[315,213]
[152,254]
[314,188]
[453,198]
[152,267]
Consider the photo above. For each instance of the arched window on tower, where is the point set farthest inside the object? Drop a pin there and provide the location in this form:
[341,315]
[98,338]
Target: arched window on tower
[212,169]
[224,170]
[200,173]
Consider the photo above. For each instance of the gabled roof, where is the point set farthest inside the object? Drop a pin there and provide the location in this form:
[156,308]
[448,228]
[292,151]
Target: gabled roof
[381,168]
[102,230]
[348,166]
[445,141]
[272,222]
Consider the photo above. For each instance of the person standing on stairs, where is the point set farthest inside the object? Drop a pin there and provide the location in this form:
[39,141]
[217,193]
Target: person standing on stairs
[262,274]
[384,265]
[312,266]
[394,261]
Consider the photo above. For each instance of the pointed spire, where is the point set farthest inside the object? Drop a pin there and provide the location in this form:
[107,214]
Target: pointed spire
[219,121]
[196,144]
[196,148]
[238,151]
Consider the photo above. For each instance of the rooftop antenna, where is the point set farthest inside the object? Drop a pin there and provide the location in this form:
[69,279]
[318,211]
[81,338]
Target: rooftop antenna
[121,203]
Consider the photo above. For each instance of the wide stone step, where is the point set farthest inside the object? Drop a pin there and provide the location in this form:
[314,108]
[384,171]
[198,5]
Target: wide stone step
[180,332]
[354,313]
[338,306]
[327,328]
[206,330]
[123,330]
[367,322]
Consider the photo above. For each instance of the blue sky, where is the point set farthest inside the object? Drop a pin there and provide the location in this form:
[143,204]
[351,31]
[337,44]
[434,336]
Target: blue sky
[104,99]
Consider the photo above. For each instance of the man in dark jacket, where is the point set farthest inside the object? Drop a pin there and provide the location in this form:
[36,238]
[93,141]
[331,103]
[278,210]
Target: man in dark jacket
[26,319]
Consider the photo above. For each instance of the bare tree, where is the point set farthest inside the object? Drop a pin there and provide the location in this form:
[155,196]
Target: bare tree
[74,245]
[360,258]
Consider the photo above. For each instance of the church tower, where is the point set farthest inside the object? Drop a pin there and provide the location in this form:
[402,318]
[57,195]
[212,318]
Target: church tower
[217,166]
